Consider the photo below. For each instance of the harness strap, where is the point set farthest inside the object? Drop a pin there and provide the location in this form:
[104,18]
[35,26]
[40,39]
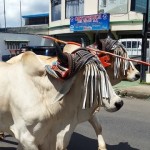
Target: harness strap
[76,61]
[108,44]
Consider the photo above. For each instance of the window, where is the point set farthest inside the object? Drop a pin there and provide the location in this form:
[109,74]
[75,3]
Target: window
[147,44]
[37,21]
[55,10]
[139,44]
[102,3]
[124,43]
[74,8]
[128,44]
[134,44]
[15,45]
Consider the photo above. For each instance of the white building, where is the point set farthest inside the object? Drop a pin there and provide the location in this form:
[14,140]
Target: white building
[123,22]
[11,43]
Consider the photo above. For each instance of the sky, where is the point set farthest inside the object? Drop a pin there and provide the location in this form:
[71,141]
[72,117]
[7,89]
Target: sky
[28,7]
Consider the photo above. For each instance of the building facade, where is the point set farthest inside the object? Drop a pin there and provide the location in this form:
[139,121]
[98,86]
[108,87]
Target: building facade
[10,43]
[123,21]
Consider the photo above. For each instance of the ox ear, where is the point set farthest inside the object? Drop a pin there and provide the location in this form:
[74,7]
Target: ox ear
[60,55]
[109,36]
[83,43]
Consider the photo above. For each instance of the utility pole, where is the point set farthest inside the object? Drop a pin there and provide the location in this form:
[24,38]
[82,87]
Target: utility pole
[4,14]
[20,17]
[144,42]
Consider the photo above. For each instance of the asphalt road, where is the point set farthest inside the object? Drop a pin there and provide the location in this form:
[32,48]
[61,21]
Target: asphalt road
[127,129]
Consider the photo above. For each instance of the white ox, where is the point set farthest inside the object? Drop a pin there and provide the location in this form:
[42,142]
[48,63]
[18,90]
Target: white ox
[131,74]
[127,72]
[28,109]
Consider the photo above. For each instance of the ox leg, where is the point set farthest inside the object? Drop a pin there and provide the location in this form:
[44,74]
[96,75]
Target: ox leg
[24,145]
[98,129]
[64,136]
[2,135]
[27,144]
[19,147]
[26,140]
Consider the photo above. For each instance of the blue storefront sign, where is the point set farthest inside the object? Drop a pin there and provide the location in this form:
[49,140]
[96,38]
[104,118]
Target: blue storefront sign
[90,22]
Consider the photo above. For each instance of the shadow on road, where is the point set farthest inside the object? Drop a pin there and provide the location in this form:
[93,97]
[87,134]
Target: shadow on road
[7,148]
[80,142]
[9,142]
[121,146]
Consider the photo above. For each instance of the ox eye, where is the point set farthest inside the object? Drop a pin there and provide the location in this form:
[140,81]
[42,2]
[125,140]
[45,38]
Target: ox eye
[114,47]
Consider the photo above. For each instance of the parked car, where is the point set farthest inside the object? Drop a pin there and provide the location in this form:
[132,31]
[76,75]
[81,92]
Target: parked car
[39,50]
[5,57]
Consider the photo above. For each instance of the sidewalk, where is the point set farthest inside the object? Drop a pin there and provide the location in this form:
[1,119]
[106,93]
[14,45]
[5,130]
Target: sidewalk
[133,89]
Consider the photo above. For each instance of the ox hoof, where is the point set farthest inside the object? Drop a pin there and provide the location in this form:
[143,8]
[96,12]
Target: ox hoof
[104,148]
[2,136]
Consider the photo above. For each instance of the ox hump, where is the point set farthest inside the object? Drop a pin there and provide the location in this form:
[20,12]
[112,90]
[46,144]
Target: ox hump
[69,48]
[32,64]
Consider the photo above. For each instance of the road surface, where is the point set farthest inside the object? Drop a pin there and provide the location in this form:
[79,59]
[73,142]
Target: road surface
[127,129]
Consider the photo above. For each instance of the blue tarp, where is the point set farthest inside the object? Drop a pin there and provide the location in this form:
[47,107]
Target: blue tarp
[36,15]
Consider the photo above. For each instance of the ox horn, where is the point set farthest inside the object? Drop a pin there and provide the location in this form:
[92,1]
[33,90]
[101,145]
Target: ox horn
[98,41]
[83,43]
[60,55]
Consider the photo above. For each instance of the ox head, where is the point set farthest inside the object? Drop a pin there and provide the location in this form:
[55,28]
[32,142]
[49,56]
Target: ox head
[113,104]
[97,87]
[119,69]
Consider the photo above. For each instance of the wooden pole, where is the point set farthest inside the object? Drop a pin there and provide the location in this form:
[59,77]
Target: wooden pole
[4,15]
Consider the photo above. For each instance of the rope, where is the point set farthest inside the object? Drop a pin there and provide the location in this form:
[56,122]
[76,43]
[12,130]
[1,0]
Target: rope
[98,52]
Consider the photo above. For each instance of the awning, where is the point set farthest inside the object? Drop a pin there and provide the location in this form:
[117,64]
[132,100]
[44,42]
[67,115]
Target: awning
[36,15]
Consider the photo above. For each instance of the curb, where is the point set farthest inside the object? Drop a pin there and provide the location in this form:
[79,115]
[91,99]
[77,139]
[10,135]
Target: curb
[140,91]
[133,89]
[135,94]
